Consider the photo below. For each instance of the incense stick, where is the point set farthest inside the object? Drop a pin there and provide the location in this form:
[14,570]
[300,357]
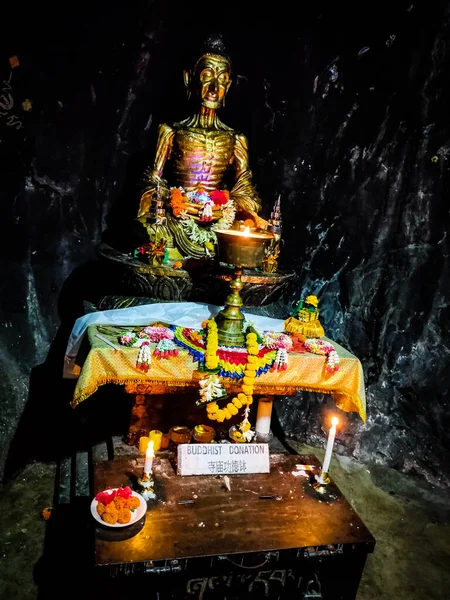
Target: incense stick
[104,339]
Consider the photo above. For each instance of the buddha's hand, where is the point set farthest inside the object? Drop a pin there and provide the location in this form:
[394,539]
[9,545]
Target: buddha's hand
[155,188]
[260,222]
[246,199]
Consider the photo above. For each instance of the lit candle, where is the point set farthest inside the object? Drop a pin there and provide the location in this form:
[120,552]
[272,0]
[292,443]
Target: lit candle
[330,443]
[155,436]
[148,465]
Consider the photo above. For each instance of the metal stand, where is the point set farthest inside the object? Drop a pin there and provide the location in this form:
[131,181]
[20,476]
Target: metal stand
[230,320]
[322,480]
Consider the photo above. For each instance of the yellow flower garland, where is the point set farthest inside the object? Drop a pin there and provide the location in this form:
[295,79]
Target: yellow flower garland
[212,345]
[246,396]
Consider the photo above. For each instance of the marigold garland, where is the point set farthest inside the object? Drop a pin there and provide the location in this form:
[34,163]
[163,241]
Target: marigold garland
[232,361]
[245,397]
[237,362]
[178,201]
[212,345]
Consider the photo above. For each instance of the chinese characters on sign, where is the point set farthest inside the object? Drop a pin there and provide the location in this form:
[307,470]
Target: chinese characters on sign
[223,459]
[227,466]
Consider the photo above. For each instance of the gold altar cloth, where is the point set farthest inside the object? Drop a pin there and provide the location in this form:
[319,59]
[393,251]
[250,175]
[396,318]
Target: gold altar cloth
[105,364]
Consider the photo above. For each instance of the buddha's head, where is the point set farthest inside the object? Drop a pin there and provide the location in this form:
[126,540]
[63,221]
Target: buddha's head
[210,78]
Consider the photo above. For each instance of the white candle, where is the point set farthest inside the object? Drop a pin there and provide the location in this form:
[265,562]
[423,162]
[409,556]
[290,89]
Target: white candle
[264,416]
[330,443]
[148,465]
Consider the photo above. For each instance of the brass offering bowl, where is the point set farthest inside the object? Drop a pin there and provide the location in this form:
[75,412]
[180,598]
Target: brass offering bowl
[241,249]
[203,434]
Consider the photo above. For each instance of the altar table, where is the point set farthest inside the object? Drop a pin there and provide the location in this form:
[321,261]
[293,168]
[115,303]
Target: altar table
[269,536]
[105,364]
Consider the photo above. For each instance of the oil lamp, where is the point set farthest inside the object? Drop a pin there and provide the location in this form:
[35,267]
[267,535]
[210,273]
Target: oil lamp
[243,249]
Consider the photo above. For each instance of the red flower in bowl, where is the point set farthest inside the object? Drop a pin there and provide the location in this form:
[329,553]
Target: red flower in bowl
[219,197]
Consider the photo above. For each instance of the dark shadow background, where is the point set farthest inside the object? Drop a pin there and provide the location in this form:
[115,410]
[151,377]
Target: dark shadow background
[346,112]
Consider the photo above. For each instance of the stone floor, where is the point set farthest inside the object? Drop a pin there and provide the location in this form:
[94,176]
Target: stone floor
[411,523]
[409,519]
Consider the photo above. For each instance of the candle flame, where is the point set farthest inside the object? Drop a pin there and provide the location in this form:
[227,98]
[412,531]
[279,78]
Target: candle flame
[246,231]
[150,452]
[334,421]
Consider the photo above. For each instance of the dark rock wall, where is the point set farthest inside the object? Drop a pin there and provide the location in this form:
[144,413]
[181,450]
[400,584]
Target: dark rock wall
[372,156]
[346,115]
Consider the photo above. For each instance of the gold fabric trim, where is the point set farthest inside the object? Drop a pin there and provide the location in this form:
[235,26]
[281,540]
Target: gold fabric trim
[305,372]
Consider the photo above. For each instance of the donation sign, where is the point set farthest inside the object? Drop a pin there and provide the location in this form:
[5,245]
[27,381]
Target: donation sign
[223,459]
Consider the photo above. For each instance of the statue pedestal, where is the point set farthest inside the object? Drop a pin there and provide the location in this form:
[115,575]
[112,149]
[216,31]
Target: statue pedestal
[200,281]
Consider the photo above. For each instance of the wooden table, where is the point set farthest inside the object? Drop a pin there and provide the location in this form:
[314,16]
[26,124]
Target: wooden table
[233,544]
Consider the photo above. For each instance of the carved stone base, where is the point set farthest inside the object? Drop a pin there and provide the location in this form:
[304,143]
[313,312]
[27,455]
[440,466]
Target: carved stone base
[135,278]
[199,281]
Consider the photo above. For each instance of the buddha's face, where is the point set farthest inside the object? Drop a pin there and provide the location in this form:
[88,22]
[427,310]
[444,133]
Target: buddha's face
[211,80]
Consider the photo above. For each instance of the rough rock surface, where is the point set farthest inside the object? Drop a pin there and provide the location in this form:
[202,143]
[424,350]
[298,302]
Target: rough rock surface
[346,115]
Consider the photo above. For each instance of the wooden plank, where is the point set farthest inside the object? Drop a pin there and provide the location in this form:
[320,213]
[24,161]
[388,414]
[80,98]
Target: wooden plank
[226,522]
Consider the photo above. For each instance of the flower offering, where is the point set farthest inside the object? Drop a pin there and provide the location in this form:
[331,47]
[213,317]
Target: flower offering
[326,348]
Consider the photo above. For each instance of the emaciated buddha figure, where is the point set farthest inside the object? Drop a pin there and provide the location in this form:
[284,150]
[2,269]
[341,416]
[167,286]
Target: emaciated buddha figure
[209,183]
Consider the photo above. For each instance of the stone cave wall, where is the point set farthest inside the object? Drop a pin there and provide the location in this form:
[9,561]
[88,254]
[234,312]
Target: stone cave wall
[346,115]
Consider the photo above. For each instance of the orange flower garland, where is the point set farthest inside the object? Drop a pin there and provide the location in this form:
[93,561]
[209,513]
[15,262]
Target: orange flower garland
[178,201]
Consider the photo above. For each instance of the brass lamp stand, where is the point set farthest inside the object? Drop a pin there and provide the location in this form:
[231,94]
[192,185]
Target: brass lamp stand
[241,249]
[230,320]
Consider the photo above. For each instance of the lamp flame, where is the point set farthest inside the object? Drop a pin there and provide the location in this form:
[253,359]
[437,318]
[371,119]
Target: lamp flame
[334,421]
[246,231]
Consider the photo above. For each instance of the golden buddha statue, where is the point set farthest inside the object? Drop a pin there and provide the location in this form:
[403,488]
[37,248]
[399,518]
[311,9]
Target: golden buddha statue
[204,155]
